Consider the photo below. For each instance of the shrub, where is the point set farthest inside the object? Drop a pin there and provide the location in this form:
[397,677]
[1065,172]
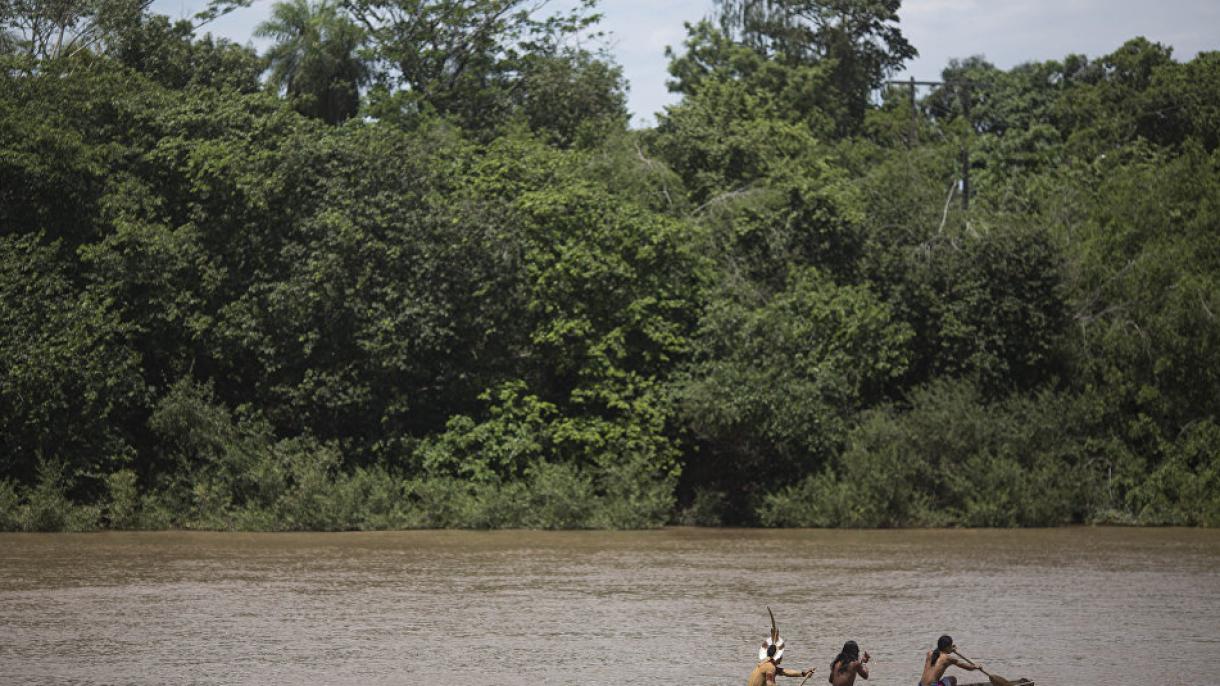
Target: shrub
[10,504]
[560,497]
[706,508]
[950,459]
[1185,489]
[47,505]
[122,509]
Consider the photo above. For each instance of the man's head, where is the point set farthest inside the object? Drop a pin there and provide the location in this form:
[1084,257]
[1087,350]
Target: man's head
[945,644]
[851,651]
[773,648]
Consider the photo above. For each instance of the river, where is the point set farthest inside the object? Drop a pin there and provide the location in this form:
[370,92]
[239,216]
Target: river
[1087,606]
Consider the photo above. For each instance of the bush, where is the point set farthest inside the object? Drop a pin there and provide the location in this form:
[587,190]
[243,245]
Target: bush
[48,507]
[439,503]
[776,387]
[10,502]
[372,499]
[877,484]
[1185,489]
[123,500]
[707,508]
[155,514]
[634,497]
[308,500]
[560,497]
[951,459]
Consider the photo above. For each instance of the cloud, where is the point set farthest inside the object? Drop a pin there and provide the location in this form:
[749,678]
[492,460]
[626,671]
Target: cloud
[922,8]
[1011,33]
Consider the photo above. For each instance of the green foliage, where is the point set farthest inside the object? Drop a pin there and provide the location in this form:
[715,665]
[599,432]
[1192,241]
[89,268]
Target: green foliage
[1145,280]
[123,500]
[717,69]
[571,97]
[624,166]
[231,473]
[708,507]
[45,506]
[469,61]
[169,54]
[10,502]
[67,379]
[858,42]
[951,458]
[63,29]
[724,139]
[1184,490]
[777,383]
[988,307]
[577,471]
[53,167]
[486,304]
[499,449]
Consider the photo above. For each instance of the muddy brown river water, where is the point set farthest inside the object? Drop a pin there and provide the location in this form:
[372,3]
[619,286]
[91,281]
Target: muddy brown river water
[676,606]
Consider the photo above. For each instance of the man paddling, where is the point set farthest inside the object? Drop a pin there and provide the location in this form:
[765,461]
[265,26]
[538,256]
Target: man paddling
[769,656]
[935,662]
[847,665]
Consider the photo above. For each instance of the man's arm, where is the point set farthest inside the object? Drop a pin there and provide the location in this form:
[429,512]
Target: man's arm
[862,669]
[793,672]
[968,666]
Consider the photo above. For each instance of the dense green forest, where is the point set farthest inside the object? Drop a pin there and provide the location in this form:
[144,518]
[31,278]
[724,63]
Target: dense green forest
[411,267]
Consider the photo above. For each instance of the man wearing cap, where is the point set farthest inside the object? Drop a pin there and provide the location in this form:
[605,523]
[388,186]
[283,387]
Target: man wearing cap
[769,656]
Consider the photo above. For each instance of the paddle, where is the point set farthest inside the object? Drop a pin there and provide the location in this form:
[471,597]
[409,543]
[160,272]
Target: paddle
[997,680]
[806,678]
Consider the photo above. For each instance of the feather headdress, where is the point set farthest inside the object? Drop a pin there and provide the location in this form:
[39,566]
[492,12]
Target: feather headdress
[772,640]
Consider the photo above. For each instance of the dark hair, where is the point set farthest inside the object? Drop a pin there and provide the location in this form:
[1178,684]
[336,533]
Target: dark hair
[849,654]
[943,644]
[771,650]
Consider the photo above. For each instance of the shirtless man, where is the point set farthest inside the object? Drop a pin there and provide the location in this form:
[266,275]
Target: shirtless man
[766,671]
[769,656]
[847,665]
[937,661]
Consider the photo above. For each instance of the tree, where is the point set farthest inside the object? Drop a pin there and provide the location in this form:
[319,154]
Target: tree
[315,58]
[63,28]
[775,384]
[461,59]
[170,54]
[715,73]
[68,377]
[858,39]
[571,97]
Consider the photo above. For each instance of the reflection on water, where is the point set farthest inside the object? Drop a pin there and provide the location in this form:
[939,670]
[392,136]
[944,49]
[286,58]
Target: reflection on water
[680,606]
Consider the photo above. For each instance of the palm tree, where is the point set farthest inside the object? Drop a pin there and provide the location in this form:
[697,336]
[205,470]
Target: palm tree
[314,59]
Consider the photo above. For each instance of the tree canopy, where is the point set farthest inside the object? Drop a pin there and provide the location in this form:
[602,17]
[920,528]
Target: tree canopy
[410,267]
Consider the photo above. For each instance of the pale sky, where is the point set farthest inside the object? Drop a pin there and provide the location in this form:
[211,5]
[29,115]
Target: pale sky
[1005,32]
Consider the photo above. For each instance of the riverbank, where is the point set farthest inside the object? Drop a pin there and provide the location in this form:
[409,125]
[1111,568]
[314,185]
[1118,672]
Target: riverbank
[558,498]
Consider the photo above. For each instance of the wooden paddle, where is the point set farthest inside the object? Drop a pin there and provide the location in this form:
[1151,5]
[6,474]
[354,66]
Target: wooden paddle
[806,678]
[997,680]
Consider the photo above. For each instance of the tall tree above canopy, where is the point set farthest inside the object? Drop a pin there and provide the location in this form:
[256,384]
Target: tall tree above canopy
[860,37]
[462,58]
[61,28]
[315,58]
